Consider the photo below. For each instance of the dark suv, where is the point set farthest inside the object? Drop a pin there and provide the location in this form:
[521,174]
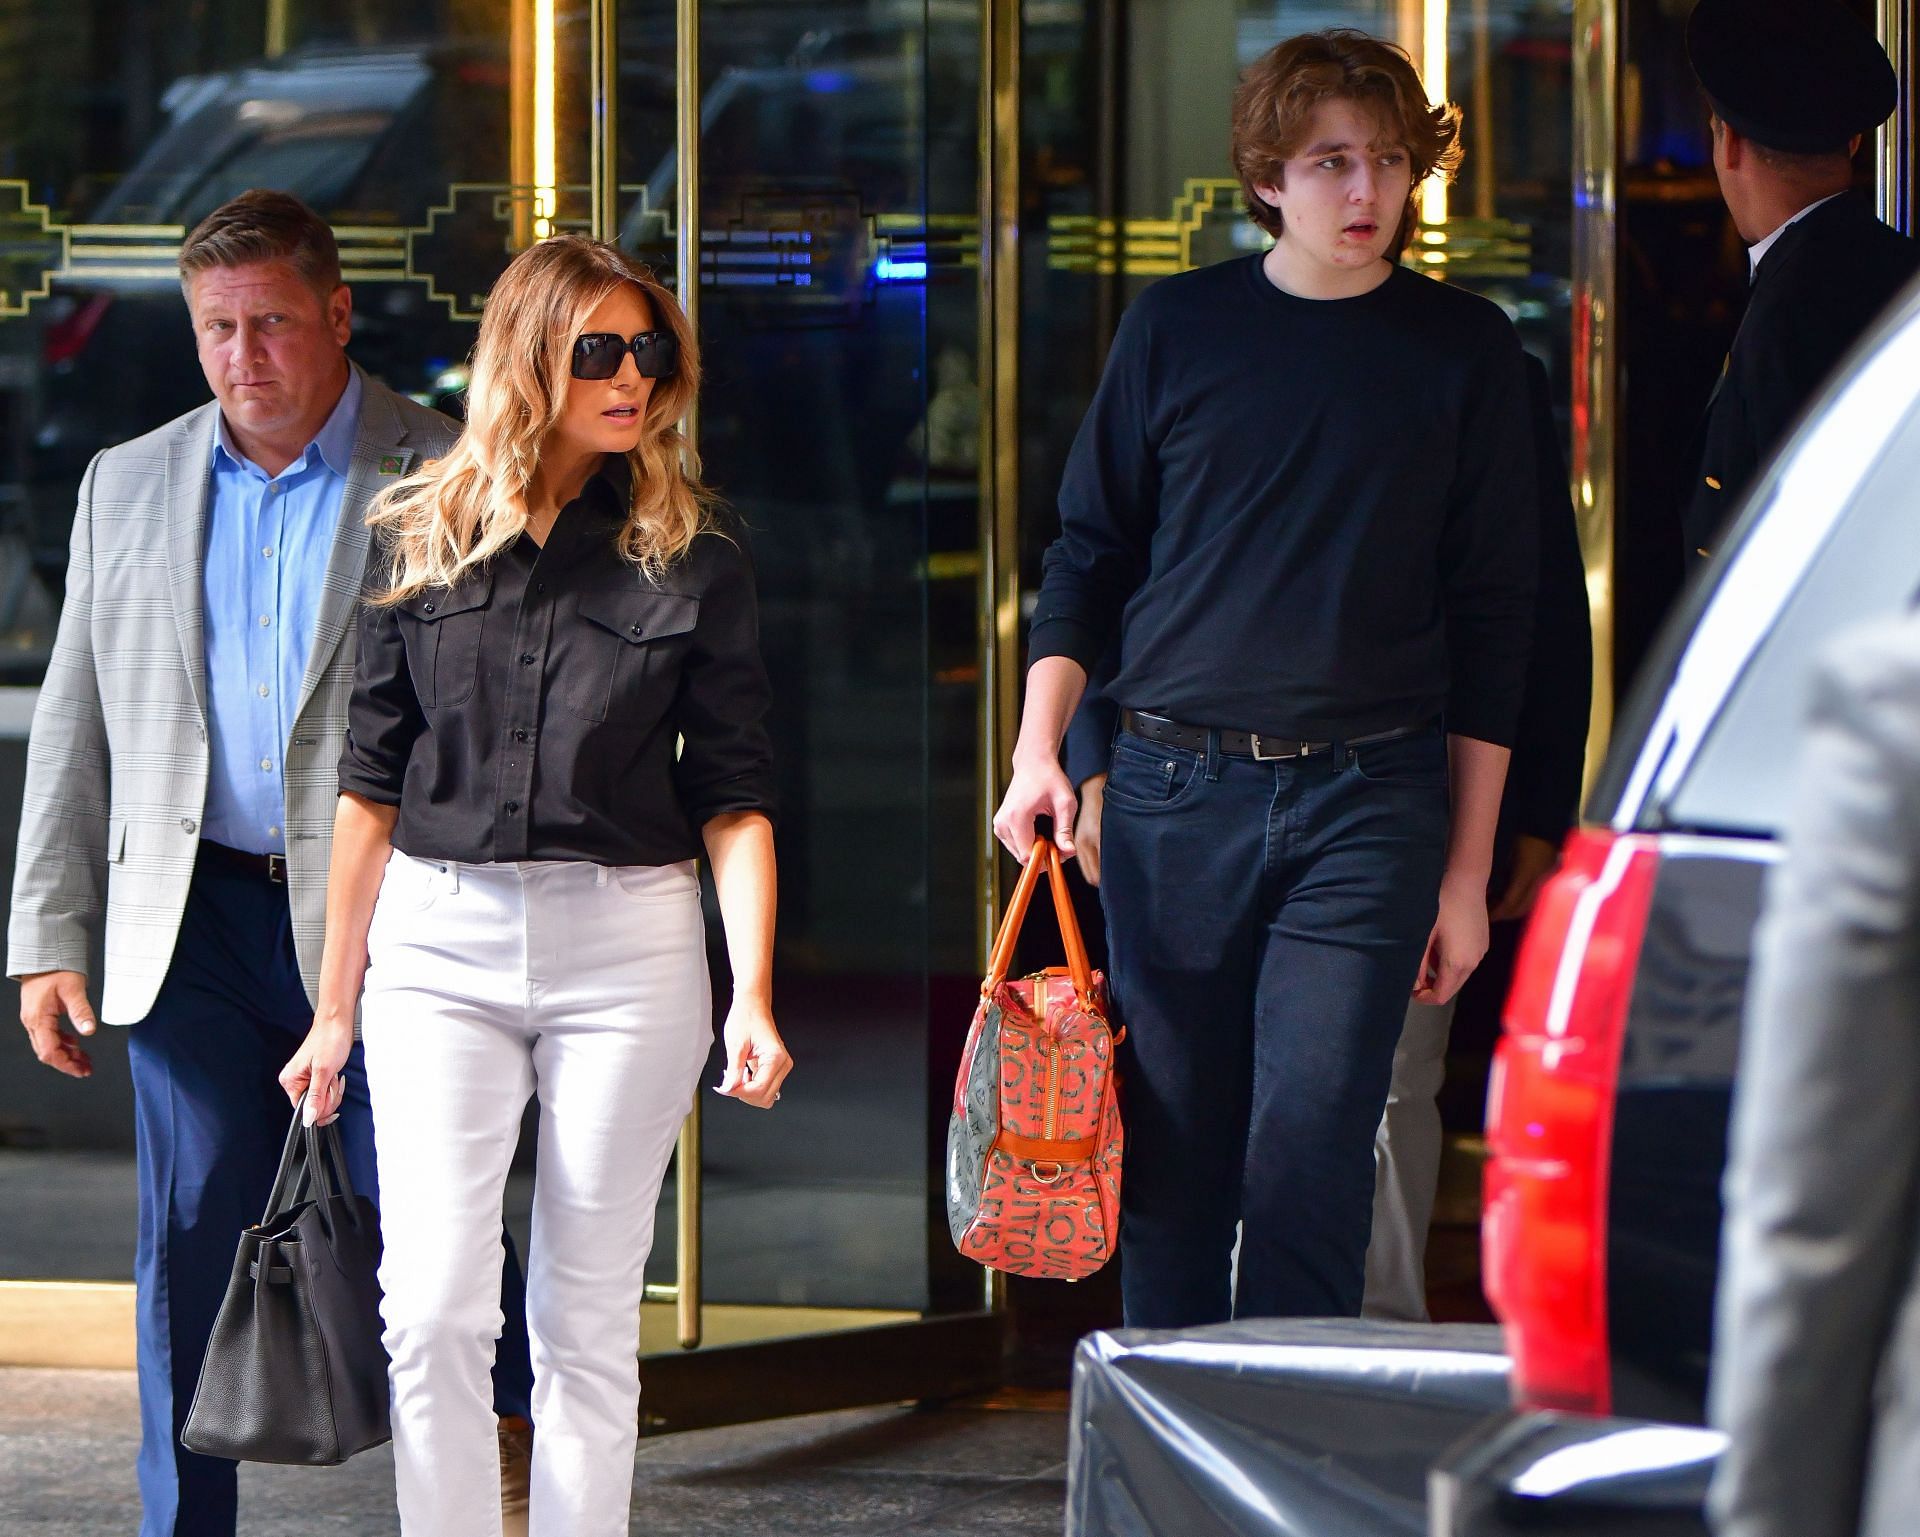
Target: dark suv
[1607,1119]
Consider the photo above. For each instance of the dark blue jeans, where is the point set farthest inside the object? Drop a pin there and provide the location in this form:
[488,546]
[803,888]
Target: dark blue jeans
[1264,923]
[209,1122]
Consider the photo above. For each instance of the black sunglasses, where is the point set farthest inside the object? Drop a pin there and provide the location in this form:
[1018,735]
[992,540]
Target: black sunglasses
[597,354]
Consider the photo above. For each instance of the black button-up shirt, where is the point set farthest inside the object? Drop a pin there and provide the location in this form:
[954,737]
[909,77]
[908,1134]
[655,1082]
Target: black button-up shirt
[558,704]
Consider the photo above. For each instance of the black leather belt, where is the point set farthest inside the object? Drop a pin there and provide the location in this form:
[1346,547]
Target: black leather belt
[1248,744]
[267,867]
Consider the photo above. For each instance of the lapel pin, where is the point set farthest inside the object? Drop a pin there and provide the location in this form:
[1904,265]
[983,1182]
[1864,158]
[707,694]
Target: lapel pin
[392,464]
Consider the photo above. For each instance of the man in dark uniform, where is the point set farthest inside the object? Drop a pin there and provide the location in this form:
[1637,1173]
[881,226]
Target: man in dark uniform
[1793,85]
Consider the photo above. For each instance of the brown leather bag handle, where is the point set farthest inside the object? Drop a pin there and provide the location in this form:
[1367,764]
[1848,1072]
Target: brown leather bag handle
[1044,857]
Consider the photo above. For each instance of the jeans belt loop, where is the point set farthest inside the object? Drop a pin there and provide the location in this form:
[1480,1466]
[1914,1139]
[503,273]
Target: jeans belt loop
[1213,756]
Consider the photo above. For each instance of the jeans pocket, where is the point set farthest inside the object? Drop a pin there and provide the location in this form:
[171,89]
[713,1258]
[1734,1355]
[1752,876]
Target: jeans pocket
[658,883]
[412,885]
[1147,776]
[1411,762]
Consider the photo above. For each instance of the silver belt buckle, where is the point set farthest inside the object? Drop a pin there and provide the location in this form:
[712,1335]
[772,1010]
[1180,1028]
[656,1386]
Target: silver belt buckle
[277,869]
[1261,755]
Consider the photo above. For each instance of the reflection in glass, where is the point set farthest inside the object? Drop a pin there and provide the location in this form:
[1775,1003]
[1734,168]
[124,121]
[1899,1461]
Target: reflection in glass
[840,420]
[120,127]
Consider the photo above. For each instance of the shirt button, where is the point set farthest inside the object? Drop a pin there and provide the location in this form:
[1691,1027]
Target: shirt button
[519,736]
[634,628]
[273,832]
[265,620]
[526,658]
[266,765]
[187,825]
[512,807]
[263,691]
[426,608]
[272,486]
[267,550]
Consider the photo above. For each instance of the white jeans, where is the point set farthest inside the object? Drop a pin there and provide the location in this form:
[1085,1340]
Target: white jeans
[1406,1154]
[487,983]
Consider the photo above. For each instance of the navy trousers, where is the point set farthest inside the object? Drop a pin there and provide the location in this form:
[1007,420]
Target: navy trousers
[1265,922]
[210,1119]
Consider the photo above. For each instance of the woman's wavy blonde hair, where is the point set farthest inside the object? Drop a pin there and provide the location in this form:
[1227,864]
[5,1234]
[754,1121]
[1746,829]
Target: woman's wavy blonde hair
[457,512]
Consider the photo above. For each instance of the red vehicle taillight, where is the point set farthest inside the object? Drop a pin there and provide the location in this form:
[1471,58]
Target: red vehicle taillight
[1543,1232]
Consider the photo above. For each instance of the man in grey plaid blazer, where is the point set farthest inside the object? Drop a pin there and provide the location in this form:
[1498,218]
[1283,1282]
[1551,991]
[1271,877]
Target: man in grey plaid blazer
[182,775]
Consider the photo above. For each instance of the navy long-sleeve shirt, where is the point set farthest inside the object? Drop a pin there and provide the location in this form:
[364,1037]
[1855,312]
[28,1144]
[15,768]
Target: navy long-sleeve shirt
[1309,518]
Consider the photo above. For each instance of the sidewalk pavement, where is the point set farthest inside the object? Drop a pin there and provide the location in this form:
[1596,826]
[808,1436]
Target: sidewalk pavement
[68,1439]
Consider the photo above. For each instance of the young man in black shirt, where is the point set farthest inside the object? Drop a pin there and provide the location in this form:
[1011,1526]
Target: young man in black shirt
[1301,499]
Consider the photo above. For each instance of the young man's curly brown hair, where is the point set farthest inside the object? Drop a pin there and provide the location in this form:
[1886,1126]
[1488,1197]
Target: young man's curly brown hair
[1281,88]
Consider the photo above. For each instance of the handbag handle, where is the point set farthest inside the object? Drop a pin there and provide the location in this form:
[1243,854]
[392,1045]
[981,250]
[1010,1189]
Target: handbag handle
[324,1167]
[1044,857]
[284,1178]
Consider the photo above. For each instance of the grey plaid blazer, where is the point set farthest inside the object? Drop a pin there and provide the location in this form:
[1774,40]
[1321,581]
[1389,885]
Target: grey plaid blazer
[117,762]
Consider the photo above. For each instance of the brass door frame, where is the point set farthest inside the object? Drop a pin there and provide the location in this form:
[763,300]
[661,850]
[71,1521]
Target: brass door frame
[1596,368]
[1893,141]
[689,1184]
[999,456]
[1000,430]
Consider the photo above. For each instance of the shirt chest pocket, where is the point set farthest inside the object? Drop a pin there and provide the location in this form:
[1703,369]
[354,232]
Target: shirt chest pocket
[442,628]
[632,641]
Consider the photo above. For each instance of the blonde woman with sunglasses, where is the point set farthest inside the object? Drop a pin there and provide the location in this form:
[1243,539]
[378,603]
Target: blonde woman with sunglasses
[560,704]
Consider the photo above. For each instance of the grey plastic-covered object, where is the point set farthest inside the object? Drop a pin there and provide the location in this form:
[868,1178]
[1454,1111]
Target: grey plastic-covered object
[1272,1428]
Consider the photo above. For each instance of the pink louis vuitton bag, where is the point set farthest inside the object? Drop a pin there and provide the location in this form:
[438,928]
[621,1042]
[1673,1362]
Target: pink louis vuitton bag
[1033,1147]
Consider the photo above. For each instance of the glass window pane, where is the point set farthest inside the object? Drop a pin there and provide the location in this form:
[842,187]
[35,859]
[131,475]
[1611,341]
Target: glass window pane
[840,422]
[120,127]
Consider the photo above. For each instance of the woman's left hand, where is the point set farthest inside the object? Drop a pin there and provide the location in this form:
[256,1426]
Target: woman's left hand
[314,1071]
[757,1061]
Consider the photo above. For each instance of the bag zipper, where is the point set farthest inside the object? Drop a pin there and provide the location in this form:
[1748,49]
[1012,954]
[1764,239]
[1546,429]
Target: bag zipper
[1053,1079]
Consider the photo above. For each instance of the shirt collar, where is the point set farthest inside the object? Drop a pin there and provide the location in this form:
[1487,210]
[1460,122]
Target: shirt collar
[334,441]
[588,521]
[1757,253]
[611,486]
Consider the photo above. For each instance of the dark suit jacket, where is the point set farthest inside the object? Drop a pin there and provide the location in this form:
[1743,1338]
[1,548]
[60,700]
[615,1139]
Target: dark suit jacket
[1823,282]
[1543,784]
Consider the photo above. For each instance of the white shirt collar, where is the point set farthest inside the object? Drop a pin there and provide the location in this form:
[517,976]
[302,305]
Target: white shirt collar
[1755,253]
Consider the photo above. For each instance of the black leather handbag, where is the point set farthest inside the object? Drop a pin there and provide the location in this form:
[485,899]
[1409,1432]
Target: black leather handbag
[295,1371]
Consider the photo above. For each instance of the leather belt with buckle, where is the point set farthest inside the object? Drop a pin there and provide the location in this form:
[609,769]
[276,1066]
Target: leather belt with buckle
[1248,744]
[269,867]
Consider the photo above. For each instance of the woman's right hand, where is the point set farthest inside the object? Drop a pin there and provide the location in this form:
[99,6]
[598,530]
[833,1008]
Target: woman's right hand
[314,1070]
[1039,789]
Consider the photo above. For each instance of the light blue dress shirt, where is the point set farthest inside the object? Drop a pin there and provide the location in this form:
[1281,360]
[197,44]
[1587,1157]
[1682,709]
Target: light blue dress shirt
[269,538]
